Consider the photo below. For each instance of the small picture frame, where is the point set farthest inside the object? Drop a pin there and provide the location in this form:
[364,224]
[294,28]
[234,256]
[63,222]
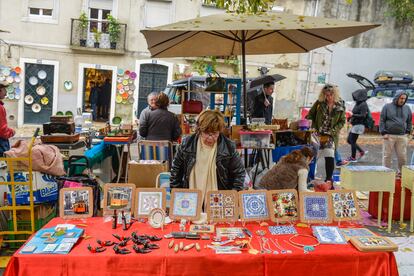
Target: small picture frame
[345,205]
[147,199]
[76,202]
[202,228]
[356,232]
[315,207]
[370,244]
[328,235]
[253,205]
[185,204]
[283,205]
[222,206]
[119,196]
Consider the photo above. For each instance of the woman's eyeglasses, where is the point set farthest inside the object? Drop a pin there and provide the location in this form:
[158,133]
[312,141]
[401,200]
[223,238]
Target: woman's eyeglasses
[329,87]
[213,135]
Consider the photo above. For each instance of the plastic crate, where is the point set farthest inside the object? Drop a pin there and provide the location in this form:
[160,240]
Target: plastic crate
[255,139]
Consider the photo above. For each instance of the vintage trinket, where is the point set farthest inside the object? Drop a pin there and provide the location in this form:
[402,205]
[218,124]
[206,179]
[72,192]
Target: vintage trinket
[141,250]
[197,246]
[97,249]
[105,243]
[176,248]
[122,251]
[181,245]
[171,244]
[188,247]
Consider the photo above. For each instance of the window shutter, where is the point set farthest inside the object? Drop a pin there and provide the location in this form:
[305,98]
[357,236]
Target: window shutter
[101,4]
[41,4]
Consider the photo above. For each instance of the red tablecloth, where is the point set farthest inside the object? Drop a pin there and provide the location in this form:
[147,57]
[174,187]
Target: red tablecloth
[373,203]
[325,260]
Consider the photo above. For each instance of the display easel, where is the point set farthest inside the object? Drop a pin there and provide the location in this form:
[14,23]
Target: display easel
[13,166]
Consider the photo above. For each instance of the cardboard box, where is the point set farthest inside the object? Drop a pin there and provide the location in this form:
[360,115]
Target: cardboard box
[145,175]
[40,212]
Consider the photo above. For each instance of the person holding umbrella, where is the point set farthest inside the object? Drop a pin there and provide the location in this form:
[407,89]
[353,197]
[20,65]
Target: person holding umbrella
[263,103]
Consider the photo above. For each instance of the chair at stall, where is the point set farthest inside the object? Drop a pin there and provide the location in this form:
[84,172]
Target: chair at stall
[163,181]
[156,150]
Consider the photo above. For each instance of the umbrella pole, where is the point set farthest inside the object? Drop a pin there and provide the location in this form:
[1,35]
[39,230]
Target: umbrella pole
[243,44]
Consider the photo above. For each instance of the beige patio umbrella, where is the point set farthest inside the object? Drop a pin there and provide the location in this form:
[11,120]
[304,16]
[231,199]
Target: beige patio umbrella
[234,34]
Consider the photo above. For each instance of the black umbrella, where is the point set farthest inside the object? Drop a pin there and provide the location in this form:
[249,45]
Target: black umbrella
[265,79]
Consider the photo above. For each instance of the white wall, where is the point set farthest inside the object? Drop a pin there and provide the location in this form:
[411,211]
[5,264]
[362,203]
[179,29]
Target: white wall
[366,62]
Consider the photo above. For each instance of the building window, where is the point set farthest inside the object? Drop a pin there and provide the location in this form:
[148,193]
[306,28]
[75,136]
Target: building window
[158,13]
[40,12]
[99,19]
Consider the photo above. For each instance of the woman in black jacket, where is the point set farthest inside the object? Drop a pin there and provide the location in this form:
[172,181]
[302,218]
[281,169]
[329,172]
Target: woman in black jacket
[207,160]
[358,119]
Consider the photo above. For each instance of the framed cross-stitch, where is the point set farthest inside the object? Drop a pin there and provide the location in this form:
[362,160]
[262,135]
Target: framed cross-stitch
[283,205]
[369,244]
[185,204]
[76,202]
[253,205]
[315,207]
[222,206]
[345,205]
[147,199]
[119,196]
[328,235]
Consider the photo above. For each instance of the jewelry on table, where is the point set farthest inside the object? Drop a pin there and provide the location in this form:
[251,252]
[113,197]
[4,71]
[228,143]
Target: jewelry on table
[306,247]
[282,250]
[261,232]
[268,249]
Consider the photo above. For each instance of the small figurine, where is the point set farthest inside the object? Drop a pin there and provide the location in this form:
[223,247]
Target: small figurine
[123,240]
[122,251]
[105,243]
[97,249]
[141,250]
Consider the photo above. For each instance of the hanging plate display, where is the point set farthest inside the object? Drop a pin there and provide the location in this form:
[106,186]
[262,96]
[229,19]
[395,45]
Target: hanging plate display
[125,82]
[126,77]
[42,74]
[68,85]
[17,90]
[36,108]
[127,72]
[118,99]
[126,88]
[10,79]
[15,84]
[17,79]
[131,87]
[120,86]
[41,90]
[2,78]
[28,99]
[156,218]
[131,100]
[121,91]
[119,79]
[133,75]
[10,95]
[10,89]
[130,92]
[33,80]
[124,101]
[13,74]
[18,70]
[125,96]
[17,96]
[6,71]
[44,100]
[120,72]
[116,120]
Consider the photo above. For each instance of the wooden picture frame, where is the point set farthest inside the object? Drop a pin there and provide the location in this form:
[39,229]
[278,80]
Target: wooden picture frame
[125,195]
[253,205]
[315,207]
[328,234]
[374,244]
[356,232]
[76,203]
[147,199]
[344,205]
[185,204]
[283,205]
[222,206]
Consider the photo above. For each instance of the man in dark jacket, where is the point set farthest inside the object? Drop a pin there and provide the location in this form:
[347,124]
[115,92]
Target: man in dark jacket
[93,100]
[263,103]
[106,98]
[395,126]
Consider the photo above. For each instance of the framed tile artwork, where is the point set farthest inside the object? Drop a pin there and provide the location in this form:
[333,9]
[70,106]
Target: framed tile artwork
[253,205]
[369,244]
[76,202]
[222,206]
[315,207]
[356,232]
[283,205]
[119,196]
[147,199]
[345,205]
[328,235]
[185,204]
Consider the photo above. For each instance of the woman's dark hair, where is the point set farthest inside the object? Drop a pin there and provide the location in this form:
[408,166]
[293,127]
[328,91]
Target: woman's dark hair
[296,155]
[162,101]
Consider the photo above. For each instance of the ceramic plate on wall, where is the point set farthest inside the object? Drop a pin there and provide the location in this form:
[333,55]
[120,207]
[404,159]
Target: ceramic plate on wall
[42,74]
[10,79]
[36,108]
[9,88]
[28,99]
[6,71]
[126,88]
[17,96]
[17,79]
[127,72]
[131,100]
[17,90]
[130,92]
[41,90]
[120,72]
[44,100]
[116,120]
[15,84]
[126,77]
[33,80]
[133,75]
[2,78]
[13,74]
[120,86]
[125,82]
[121,91]
[119,79]
[131,87]
[10,95]
[118,99]
[68,85]
[18,70]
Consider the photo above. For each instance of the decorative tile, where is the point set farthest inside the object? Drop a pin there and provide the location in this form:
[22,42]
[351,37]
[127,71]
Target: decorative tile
[254,205]
[282,230]
[328,235]
[76,202]
[118,196]
[315,207]
[283,205]
[148,199]
[222,206]
[356,232]
[345,205]
[185,204]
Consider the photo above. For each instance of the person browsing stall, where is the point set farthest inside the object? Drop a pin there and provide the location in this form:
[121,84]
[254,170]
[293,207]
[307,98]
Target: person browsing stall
[208,160]
[263,103]
[5,132]
[291,172]
[160,124]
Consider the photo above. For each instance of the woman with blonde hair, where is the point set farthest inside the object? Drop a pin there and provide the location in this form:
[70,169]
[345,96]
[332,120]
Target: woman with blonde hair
[208,160]
[291,172]
[328,118]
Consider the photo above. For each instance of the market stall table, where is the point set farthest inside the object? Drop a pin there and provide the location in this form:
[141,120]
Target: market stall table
[407,182]
[336,260]
[373,179]
[120,143]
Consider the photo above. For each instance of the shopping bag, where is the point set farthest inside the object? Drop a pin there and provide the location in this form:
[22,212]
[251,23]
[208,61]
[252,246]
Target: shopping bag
[215,83]
[193,107]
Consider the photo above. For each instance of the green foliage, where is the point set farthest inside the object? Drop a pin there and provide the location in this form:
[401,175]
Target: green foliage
[401,10]
[96,35]
[234,62]
[242,6]
[114,29]
[83,23]
[200,64]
